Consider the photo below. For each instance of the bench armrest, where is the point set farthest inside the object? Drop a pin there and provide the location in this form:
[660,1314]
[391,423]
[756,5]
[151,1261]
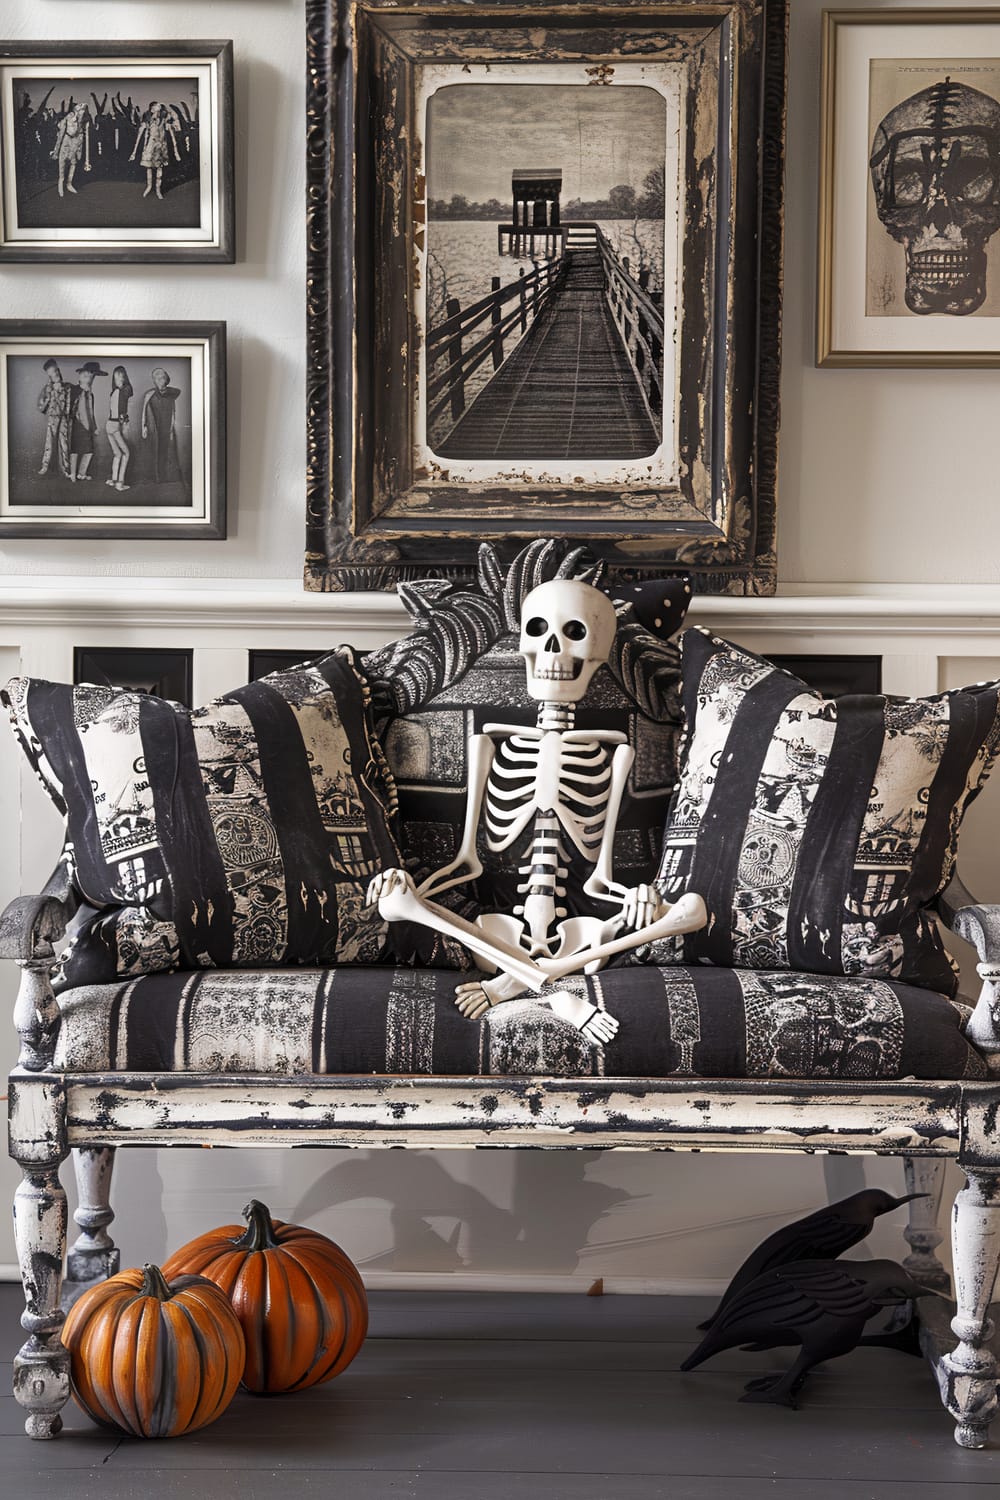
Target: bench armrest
[30,926]
[979,925]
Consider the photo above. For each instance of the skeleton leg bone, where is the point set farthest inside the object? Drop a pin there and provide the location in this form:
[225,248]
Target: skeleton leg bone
[398,901]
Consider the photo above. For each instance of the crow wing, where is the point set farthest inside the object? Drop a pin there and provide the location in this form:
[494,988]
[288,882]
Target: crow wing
[821,1236]
[787,1300]
[791,1296]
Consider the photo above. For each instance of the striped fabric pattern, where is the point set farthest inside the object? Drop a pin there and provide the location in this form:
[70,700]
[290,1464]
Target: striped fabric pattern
[697,1022]
[238,834]
[819,832]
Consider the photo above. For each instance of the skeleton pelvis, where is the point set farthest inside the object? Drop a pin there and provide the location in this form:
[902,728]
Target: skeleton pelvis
[574,935]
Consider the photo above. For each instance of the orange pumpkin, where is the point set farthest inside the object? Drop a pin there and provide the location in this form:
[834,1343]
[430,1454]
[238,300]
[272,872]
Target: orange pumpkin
[154,1359]
[299,1298]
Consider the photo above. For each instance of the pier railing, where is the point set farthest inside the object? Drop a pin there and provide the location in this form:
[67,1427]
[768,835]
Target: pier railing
[491,327]
[638,318]
[470,336]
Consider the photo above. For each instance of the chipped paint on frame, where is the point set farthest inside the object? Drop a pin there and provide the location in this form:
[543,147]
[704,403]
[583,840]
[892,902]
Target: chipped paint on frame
[376,517]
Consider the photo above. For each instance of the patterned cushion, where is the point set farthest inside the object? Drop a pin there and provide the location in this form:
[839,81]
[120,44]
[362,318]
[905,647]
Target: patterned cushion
[819,832]
[675,1022]
[459,669]
[239,834]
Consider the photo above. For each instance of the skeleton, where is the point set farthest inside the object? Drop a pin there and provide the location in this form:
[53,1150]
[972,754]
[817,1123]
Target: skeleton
[935,168]
[567,785]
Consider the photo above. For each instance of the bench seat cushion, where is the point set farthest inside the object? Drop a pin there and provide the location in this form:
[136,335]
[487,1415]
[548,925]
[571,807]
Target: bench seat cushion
[674,1022]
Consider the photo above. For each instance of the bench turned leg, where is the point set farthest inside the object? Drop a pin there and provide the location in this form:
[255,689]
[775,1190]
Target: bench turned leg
[41,1369]
[925,1175]
[970,1370]
[93,1255]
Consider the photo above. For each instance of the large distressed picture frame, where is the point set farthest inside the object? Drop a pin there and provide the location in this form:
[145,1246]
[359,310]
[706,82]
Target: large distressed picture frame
[544,285]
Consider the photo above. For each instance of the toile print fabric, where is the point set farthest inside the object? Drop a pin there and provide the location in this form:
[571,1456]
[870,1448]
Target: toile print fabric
[695,1022]
[239,834]
[819,832]
[460,670]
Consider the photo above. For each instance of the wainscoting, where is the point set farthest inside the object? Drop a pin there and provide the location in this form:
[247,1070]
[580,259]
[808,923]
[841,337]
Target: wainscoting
[661,1222]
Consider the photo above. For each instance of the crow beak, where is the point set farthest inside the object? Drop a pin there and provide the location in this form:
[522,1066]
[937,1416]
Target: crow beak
[908,1198]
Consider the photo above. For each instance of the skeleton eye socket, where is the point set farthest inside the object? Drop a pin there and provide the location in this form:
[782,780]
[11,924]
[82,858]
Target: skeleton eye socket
[972,178]
[537,626]
[575,630]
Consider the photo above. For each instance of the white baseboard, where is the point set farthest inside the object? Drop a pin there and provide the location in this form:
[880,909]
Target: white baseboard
[476,1281]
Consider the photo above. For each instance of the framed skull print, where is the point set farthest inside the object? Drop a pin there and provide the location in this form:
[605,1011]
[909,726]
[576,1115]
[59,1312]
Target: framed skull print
[909,231]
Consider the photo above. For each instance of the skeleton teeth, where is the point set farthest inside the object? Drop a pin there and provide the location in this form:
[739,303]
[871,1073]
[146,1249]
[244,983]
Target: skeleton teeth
[943,268]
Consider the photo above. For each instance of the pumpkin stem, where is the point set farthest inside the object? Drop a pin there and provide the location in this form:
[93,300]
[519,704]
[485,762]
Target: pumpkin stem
[153,1284]
[260,1230]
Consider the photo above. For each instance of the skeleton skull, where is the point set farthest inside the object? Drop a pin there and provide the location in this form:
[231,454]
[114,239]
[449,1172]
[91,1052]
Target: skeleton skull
[567,630]
[935,168]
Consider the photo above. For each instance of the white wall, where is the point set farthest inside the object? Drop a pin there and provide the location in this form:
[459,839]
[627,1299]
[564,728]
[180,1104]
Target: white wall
[867,458]
[261,297]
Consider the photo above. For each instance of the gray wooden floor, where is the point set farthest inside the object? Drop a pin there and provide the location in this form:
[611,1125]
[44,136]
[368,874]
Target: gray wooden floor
[486,1397]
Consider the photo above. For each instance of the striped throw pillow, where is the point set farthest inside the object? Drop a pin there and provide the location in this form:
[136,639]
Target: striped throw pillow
[819,832]
[240,834]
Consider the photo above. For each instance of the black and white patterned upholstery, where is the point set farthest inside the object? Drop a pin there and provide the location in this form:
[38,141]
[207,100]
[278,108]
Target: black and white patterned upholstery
[679,1022]
[235,835]
[819,832]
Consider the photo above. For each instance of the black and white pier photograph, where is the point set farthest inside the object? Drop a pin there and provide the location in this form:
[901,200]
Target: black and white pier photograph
[548,270]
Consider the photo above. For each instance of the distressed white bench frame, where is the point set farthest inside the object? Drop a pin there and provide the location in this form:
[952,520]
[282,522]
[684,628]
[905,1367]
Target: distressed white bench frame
[927,1124]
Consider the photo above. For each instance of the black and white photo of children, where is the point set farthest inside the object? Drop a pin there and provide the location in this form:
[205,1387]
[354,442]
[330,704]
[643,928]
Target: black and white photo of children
[107,152]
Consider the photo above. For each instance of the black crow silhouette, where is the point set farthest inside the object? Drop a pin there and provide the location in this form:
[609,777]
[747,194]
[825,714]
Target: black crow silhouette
[820,1236]
[822,1305]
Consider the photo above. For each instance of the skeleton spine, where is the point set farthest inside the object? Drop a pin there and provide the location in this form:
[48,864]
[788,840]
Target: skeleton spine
[544,875]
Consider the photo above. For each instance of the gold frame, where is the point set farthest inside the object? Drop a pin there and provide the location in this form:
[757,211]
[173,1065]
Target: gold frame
[826,356]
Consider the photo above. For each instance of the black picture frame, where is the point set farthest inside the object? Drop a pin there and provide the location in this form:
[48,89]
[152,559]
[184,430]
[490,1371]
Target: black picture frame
[165,672]
[263,663]
[182,489]
[374,516]
[188,216]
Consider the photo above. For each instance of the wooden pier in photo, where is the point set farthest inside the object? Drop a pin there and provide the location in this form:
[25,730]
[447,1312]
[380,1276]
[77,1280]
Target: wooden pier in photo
[576,346]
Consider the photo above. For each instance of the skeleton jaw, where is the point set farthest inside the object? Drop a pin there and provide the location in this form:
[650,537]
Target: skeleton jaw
[946,281]
[556,671]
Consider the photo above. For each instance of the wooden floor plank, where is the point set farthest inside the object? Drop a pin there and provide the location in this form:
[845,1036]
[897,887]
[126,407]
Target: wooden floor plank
[463,1396]
[359,1484]
[726,1441]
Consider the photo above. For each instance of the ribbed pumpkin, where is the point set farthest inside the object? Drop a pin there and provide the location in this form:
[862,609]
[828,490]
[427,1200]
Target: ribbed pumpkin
[152,1358]
[299,1298]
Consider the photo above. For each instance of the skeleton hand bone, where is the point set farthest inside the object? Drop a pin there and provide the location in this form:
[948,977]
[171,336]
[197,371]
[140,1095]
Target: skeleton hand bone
[641,906]
[387,881]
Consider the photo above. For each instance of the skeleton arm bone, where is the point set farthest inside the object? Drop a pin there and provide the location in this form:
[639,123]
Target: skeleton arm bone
[639,906]
[466,862]
[686,915]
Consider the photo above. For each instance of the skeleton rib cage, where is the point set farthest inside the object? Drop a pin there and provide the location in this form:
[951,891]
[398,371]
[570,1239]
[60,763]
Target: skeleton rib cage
[531,768]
